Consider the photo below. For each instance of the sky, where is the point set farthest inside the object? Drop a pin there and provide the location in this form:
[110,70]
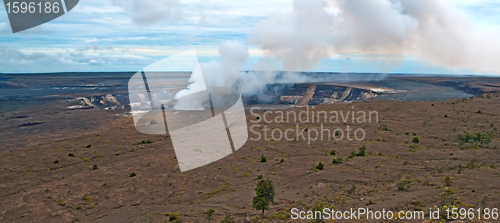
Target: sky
[128,35]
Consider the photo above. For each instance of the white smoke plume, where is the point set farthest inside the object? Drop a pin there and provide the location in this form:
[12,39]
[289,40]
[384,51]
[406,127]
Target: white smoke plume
[227,72]
[222,73]
[432,30]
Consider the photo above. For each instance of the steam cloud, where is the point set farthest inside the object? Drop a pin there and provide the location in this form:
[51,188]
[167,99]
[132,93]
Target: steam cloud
[222,73]
[432,30]
[226,72]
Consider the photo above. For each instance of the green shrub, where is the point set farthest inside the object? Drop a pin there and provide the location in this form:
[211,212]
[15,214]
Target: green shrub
[383,127]
[173,217]
[403,184]
[319,166]
[280,215]
[227,219]
[415,139]
[263,159]
[361,152]
[333,153]
[132,174]
[466,137]
[144,142]
[153,122]
[56,161]
[71,154]
[479,111]
[318,206]
[337,161]
[89,145]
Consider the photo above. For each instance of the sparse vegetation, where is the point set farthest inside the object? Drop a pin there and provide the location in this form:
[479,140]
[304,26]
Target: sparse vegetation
[351,189]
[403,184]
[71,154]
[333,153]
[132,174]
[478,137]
[338,160]
[89,145]
[447,180]
[361,152]
[146,218]
[319,206]
[227,219]
[383,127]
[209,215]
[144,142]
[56,161]
[153,122]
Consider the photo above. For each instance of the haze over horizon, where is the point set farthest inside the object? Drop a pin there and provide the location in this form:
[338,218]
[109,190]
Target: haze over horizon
[127,36]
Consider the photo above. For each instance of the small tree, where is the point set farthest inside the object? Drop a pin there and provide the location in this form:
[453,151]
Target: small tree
[208,215]
[227,219]
[415,139]
[263,159]
[265,193]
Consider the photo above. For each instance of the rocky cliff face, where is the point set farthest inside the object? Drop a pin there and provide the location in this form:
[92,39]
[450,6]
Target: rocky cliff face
[309,94]
[106,102]
[285,94]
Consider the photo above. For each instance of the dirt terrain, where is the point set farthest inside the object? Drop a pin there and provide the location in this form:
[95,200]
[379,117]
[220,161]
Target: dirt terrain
[76,165]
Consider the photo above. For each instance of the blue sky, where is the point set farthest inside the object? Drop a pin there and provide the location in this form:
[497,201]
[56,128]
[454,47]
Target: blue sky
[119,35]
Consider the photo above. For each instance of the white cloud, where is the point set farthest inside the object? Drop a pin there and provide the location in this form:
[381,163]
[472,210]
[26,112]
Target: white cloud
[433,30]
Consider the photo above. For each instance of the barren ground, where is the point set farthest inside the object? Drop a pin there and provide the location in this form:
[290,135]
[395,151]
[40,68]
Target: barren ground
[35,188]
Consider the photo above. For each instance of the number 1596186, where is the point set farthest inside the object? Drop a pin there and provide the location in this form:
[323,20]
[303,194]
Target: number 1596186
[32,7]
